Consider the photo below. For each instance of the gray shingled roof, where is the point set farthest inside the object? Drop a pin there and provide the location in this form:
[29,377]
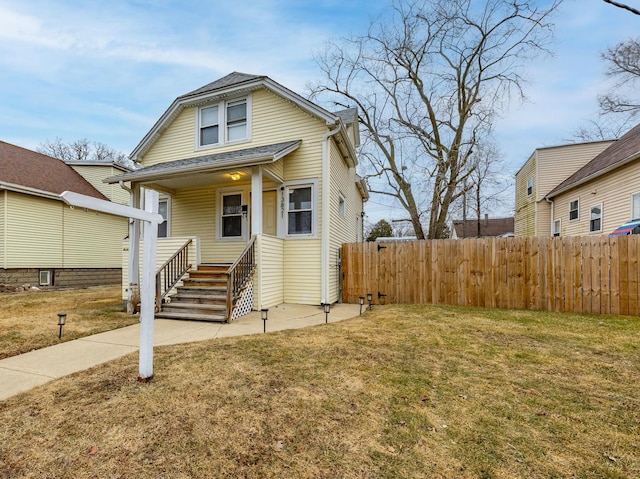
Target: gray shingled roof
[235,79]
[216,161]
[625,149]
[348,116]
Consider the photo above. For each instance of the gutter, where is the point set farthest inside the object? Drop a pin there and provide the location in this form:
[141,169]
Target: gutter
[30,191]
[326,187]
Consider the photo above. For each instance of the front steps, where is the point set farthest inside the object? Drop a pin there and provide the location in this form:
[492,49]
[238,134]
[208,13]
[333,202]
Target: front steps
[202,296]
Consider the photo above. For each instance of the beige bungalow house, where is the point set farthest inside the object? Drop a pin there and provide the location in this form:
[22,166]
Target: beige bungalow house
[545,169]
[602,194]
[42,240]
[259,190]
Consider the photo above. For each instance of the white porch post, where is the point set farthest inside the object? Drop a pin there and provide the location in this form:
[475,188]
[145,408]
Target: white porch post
[256,200]
[147,291]
[133,297]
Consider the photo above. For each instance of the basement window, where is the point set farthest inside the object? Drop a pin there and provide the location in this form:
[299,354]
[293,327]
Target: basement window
[45,278]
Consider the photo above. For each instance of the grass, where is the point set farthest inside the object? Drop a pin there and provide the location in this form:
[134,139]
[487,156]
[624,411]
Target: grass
[29,320]
[401,392]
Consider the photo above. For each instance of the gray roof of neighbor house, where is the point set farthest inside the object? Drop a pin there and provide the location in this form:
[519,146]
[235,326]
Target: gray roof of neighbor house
[488,227]
[233,83]
[621,152]
[31,172]
[213,162]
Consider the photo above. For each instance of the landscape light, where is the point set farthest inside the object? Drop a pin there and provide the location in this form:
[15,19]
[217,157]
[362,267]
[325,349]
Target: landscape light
[327,309]
[264,313]
[370,299]
[62,320]
[361,298]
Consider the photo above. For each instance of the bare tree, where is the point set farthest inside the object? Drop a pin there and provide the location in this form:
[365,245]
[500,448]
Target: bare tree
[83,150]
[622,5]
[623,65]
[428,82]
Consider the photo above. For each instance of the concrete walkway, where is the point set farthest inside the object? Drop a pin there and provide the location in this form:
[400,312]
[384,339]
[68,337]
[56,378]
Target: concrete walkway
[26,371]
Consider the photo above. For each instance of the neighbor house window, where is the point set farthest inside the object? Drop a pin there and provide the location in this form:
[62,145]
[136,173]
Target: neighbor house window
[556,228]
[573,210]
[342,206]
[231,219]
[635,206]
[224,122]
[595,222]
[163,210]
[45,278]
[300,210]
[529,186]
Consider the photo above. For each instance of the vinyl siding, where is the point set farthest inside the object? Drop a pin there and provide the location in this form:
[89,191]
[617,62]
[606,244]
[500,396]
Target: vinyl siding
[95,174]
[273,120]
[342,229]
[3,194]
[92,240]
[302,271]
[613,190]
[193,213]
[270,274]
[548,167]
[46,233]
[34,232]
[525,204]
[165,249]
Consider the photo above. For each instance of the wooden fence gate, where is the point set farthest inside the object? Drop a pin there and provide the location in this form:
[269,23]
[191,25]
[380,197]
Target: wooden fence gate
[588,274]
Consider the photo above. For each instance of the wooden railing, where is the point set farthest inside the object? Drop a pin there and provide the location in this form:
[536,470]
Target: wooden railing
[171,272]
[238,274]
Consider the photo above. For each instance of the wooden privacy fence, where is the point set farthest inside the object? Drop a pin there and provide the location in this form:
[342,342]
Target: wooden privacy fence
[594,274]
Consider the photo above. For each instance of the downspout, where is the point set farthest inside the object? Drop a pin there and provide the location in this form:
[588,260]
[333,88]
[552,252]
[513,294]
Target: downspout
[552,213]
[326,186]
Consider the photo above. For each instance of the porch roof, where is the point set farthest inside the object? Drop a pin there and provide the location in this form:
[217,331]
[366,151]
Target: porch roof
[257,155]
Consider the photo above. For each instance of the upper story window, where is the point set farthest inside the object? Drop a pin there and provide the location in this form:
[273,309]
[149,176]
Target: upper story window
[635,206]
[573,210]
[595,222]
[556,228]
[342,206]
[529,186]
[224,122]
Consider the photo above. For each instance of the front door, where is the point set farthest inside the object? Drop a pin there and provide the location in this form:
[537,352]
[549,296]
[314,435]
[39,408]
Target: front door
[270,213]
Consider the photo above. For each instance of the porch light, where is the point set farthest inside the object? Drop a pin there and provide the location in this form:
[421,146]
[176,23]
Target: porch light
[327,310]
[62,320]
[369,299]
[235,176]
[361,298]
[264,314]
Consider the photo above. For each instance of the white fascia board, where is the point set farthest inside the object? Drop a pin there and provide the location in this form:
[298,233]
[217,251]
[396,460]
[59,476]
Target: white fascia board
[109,207]
[29,191]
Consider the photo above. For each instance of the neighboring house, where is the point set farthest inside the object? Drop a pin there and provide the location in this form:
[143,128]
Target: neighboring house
[482,228]
[255,174]
[545,169]
[602,194]
[42,240]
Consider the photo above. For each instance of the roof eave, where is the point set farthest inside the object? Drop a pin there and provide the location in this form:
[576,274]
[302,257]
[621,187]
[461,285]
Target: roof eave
[29,191]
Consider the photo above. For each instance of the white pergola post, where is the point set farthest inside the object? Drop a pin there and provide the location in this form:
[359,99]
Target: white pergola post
[151,220]
[256,200]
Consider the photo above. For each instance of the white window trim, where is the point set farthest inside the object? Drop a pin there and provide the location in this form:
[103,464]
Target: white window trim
[633,217]
[313,183]
[222,123]
[601,217]
[47,274]
[342,205]
[245,219]
[168,220]
[530,180]
[578,215]
[553,227]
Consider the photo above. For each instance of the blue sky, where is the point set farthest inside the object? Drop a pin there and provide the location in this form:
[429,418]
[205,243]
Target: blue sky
[106,71]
